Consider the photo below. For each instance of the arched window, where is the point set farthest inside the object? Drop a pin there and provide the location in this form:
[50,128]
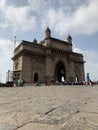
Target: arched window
[77,72]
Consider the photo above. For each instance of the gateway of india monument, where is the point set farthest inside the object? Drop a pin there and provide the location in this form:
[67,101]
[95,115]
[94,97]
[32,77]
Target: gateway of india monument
[50,59]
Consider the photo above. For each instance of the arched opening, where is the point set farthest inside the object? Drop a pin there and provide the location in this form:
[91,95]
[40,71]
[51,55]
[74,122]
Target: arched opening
[76,79]
[77,73]
[60,72]
[36,77]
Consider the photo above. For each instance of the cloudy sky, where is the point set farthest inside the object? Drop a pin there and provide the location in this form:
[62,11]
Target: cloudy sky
[28,19]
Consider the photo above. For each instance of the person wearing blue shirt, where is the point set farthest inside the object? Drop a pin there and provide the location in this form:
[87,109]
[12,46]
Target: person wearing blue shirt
[88,81]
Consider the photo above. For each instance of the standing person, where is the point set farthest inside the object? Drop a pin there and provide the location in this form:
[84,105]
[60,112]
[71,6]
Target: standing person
[88,81]
[62,79]
[20,82]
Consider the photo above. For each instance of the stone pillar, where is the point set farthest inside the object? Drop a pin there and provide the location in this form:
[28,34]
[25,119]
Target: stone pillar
[27,69]
[48,64]
[71,69]
[82,72]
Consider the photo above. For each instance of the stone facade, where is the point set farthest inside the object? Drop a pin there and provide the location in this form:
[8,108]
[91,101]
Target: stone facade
[50,59]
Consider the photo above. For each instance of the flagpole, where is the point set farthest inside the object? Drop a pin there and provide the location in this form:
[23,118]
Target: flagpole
[14,42]
[13,58]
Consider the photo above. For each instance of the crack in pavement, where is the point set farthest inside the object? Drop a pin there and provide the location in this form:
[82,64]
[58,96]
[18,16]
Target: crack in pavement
[69,118]
[50,110]
[89,112]
[28,122]
[25,123]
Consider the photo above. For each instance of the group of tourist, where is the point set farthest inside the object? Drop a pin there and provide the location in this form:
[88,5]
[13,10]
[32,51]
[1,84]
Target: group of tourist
[19,82]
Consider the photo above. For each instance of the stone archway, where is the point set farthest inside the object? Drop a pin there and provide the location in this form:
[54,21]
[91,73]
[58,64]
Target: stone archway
[60,71]
[36,77]
[77,73]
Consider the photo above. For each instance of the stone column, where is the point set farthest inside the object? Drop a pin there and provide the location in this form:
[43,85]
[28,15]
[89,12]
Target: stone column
[27,68]
[48,64]
[82,72]
[71,69]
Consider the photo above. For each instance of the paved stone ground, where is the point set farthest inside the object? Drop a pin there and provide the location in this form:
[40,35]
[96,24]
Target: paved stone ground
[49,108]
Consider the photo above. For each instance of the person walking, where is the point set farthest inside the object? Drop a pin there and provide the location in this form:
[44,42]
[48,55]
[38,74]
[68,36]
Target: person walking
[88,81]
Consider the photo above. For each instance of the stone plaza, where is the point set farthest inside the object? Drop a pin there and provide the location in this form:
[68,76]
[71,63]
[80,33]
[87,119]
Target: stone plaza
[55,107]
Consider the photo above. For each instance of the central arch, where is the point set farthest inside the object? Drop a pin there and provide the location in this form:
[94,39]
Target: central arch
[60,71]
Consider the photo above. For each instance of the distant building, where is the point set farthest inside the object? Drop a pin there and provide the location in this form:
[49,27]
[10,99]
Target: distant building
[50,59]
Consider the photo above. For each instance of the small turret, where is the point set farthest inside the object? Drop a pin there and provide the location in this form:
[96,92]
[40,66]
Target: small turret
[48,32]
[35,41]
[69,39]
